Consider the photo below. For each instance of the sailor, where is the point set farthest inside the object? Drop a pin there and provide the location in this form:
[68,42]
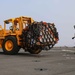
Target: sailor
[74,36]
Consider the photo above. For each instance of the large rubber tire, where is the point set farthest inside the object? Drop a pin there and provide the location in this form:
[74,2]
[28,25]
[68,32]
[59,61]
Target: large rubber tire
[10,46]
[34,50]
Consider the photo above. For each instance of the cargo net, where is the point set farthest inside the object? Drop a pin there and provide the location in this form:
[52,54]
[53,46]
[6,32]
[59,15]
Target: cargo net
[41,34]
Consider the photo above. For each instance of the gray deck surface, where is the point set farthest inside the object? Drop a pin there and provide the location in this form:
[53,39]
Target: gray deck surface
[57,61]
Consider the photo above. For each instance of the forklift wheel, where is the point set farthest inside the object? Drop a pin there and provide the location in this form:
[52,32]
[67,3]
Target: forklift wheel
[10,46]
[34,50]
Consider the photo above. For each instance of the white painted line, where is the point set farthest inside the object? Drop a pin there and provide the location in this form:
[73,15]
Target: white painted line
[68,50]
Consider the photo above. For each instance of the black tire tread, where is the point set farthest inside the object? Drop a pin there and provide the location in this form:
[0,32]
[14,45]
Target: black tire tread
[15,48]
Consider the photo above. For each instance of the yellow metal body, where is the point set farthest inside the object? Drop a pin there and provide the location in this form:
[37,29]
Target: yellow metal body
[16,28]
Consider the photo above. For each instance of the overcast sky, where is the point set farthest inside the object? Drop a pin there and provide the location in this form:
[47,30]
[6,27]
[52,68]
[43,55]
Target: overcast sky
[61,12]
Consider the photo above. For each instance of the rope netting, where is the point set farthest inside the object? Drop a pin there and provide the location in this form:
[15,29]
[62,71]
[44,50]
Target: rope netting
[41,33]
